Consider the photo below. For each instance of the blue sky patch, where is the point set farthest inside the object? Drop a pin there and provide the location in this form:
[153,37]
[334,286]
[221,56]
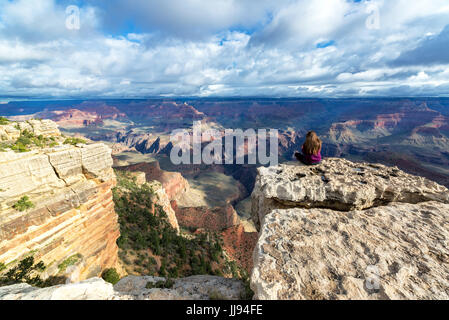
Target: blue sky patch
[325,44]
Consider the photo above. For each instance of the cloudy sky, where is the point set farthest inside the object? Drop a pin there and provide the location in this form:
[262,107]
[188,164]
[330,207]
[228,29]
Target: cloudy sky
[142,48]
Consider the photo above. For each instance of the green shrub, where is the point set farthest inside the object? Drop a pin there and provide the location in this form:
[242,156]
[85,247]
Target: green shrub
[144,227]
[2,266]
[167,284]
[3,120]
[69,262]
[23,204]
[111,276]
[162,270]
[247,293]
[174,272]
[19,147]
[27,140]
[25,271]
[74,141]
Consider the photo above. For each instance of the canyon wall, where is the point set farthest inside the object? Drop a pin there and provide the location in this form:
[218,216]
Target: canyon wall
[215,219]
[166,185]
[173,182]
[344,230]
[72,226]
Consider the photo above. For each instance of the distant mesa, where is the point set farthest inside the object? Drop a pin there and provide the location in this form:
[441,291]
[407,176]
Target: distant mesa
[83,116]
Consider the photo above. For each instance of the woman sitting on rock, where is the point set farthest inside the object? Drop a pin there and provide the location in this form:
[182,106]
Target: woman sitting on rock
[311,150]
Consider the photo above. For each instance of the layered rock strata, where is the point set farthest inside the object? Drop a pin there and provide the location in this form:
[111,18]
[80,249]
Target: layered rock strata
[344,230]
[163,200]
[12,130]
[72,226]
[173,182]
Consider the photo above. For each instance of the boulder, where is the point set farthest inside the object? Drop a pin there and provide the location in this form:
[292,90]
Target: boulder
[344,230]
[201,287]
[131,288]
[11,131]
[400,251]
[91,289]
[340,185]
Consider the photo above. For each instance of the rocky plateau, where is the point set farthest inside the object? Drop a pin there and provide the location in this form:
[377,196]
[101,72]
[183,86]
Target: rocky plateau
[344,230]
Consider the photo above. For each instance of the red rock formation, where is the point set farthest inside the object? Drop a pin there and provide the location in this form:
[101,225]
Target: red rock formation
[83,115]
[90,230]
[240,245]
[173,182]
[402,116]
[215,219]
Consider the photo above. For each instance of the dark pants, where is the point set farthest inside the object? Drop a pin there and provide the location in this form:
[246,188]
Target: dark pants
[301,158]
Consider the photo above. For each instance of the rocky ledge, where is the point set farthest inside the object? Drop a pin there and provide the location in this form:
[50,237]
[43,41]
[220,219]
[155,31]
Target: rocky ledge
[12,130]
[344,230]
[132,288]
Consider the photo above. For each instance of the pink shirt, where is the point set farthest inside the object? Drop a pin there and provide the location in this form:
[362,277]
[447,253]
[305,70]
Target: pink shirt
[312,158]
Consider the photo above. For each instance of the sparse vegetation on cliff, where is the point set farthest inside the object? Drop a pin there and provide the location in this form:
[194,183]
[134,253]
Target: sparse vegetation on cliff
[70,261]
[111,275]
[74,141]
[27,141]
[248,293]
[23,204]
[4,121]
[167,284]
[150,245]
[53,229]
[26,271]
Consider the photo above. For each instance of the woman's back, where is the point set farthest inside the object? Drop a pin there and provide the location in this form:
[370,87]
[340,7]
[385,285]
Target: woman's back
[312,158]
[311,149]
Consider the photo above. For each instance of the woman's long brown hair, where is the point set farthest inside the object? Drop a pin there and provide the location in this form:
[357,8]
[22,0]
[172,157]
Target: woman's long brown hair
[312,144]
